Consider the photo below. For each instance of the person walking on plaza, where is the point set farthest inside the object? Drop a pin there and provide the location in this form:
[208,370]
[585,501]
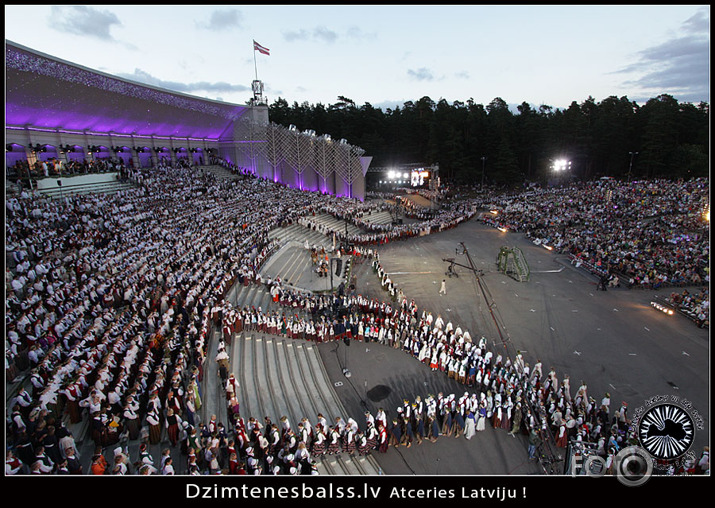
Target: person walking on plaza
[703,465]
[470,426]
[153,420]
[516,420]
[383,442]
[443,288]
[534,442]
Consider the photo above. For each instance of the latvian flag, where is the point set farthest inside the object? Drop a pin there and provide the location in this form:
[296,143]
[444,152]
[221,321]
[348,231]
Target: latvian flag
[260,48]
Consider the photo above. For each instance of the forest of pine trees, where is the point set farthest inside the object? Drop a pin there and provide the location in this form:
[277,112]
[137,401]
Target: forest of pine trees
[659,139]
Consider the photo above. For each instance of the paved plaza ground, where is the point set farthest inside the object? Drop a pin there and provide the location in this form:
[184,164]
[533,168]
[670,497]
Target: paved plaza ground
[615,341]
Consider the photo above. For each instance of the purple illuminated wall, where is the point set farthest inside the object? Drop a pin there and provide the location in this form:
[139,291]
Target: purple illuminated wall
[182,154]
[45,92]
[144,159]
[102,153]
[126,157]
[198,156]
[17,154]
[77,155]
[51,153]
[56,102]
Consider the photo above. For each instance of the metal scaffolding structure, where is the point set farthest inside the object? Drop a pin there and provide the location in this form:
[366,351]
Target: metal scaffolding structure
[511,261]
[348,165]
[300,152]
[251,142]
[300,158]
[325,161]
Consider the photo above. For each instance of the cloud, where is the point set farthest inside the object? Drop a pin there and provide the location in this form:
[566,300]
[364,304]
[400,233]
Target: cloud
[461,75]
[421,74]
[83,20]
[325,34]
[679,66]
[189,88]
[390,104]
[698,22]
[299,35]
[222,20]
[319,33]
[268,90]
[356,33]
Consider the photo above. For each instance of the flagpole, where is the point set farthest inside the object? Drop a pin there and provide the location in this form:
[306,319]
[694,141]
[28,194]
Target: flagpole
[254,60]
[257,85]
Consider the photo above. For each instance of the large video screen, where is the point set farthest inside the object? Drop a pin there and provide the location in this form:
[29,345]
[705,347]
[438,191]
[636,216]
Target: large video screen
[419,177]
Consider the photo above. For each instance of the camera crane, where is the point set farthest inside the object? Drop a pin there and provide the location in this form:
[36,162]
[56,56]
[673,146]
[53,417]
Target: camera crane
[548,456]
[482,288]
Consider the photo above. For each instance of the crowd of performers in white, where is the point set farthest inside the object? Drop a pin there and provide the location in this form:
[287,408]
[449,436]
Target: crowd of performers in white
[111,300]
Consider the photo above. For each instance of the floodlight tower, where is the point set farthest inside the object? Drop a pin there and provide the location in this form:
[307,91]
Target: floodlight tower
[561,165]
[630,166]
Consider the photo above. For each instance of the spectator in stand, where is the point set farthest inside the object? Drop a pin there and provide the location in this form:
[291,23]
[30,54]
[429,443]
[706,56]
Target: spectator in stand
[643,230]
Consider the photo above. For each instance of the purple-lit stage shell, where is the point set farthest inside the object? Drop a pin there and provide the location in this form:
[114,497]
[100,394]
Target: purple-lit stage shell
[55,103]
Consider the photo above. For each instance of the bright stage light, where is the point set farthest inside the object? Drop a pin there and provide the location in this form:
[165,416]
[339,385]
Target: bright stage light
[503,230]
[662,308]
[548,247]
[561,165]
[391,175]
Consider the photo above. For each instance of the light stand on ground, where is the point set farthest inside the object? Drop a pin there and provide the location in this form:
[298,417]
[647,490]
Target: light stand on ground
[346,371]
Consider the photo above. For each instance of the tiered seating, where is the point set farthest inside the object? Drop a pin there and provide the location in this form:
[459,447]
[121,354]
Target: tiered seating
[297,233]
[87,188]
[292,262]
[281,376]
[221,173]
[380,217]
[250,296]
[330,223]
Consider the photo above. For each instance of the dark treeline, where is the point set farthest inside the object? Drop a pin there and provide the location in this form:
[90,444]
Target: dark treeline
[662,138]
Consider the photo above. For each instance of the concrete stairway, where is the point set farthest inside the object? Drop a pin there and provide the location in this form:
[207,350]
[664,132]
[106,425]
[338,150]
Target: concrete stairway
[297,233]
[380,217]
[87,188]
[221,173]
[292,261]
[249,296]
[285,377]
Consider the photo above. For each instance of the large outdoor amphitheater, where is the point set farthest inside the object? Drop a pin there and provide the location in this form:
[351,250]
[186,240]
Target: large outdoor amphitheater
[192,289]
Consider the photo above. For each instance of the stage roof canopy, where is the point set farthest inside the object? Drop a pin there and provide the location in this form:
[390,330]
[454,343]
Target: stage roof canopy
[48,93]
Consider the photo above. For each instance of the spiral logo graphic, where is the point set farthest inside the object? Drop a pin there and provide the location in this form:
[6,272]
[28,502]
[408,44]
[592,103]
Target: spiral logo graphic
[666,431]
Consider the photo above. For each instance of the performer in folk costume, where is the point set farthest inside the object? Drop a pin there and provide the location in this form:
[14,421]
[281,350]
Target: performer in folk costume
[318,444]
[383,442]
[333,441]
